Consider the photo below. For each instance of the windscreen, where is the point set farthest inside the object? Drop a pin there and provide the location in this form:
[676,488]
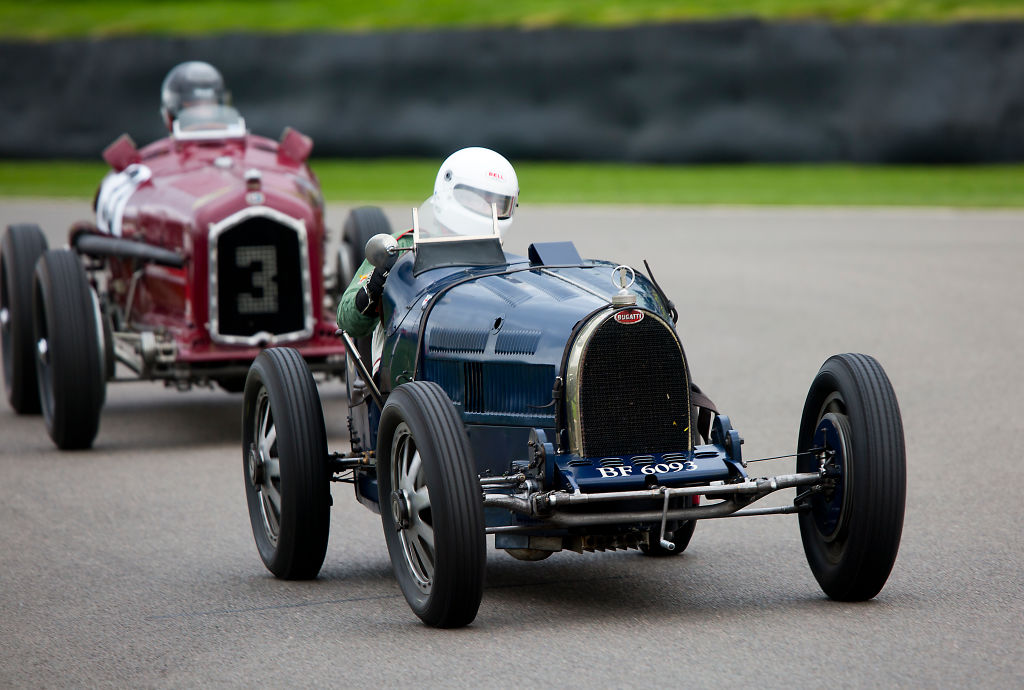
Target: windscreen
[463,226]
[209,122]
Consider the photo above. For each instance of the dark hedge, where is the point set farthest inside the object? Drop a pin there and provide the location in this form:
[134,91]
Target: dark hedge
[714,91]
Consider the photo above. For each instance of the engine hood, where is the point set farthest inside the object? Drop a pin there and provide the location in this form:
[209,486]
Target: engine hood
[193,184]
[506,326]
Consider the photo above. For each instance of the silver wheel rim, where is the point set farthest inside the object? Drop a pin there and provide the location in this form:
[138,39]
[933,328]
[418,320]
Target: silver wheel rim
[265,468]
[417,538]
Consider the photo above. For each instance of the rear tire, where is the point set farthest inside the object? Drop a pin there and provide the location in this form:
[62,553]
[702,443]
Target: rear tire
[20,249]
[431,507]
[362,224]
[851,534]
[69,352]
[284,458]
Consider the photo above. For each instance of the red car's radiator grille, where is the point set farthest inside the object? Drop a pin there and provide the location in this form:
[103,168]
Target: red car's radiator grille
[634,393]
[259,279]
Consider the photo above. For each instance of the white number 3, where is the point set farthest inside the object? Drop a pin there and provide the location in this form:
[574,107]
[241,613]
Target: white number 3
[263,299]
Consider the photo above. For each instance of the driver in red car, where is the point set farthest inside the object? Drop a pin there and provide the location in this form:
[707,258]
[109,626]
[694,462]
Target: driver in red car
[190,84]
[468,182]
[192,91]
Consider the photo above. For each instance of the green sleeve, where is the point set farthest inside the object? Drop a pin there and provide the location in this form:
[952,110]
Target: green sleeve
[349,319]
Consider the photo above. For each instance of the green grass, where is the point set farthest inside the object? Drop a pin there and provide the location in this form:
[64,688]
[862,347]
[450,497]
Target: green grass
[46,19]
[410,181]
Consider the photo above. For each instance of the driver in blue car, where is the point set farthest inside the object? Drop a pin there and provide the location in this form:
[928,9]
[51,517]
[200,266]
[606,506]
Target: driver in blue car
[468,183]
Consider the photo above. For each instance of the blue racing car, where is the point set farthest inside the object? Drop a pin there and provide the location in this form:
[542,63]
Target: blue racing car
[547,400]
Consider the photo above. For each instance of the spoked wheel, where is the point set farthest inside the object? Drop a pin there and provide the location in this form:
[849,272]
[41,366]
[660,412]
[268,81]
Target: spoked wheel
[21,247]
[284,457]
[431,506]
[70,364]
[851,531]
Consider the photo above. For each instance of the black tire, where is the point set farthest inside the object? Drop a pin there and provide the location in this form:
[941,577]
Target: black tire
[681,538]
[69,353]
[21,247]
[440,500]
[290,508]
[362,224]
[851,534]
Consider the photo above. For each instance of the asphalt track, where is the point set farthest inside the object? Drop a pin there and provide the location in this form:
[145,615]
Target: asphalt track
[134,565]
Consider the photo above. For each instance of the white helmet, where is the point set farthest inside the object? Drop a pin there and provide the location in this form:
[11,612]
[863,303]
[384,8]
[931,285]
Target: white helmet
[469,181]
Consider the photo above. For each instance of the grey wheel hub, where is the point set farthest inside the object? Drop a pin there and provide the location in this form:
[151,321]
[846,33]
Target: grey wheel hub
[400,509]
[257,468]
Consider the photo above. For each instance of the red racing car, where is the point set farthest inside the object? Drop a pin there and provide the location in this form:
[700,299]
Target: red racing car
[208,247]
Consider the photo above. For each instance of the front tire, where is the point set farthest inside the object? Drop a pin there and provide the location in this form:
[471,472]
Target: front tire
[431,506]
[20,249]
[69,351]
[284,458]
[851,533]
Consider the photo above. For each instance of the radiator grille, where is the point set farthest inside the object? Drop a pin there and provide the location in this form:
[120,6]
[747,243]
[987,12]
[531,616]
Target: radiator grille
[508,389]
[496,388]
[259,279]
[633,395]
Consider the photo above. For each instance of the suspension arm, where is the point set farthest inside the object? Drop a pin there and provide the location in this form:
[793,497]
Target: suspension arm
[548,507]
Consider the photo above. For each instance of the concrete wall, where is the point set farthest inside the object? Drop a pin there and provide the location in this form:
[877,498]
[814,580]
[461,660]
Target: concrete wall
[719,91]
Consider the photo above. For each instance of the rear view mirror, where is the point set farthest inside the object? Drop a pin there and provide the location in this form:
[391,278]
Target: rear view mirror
[121,153]
[381,250]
